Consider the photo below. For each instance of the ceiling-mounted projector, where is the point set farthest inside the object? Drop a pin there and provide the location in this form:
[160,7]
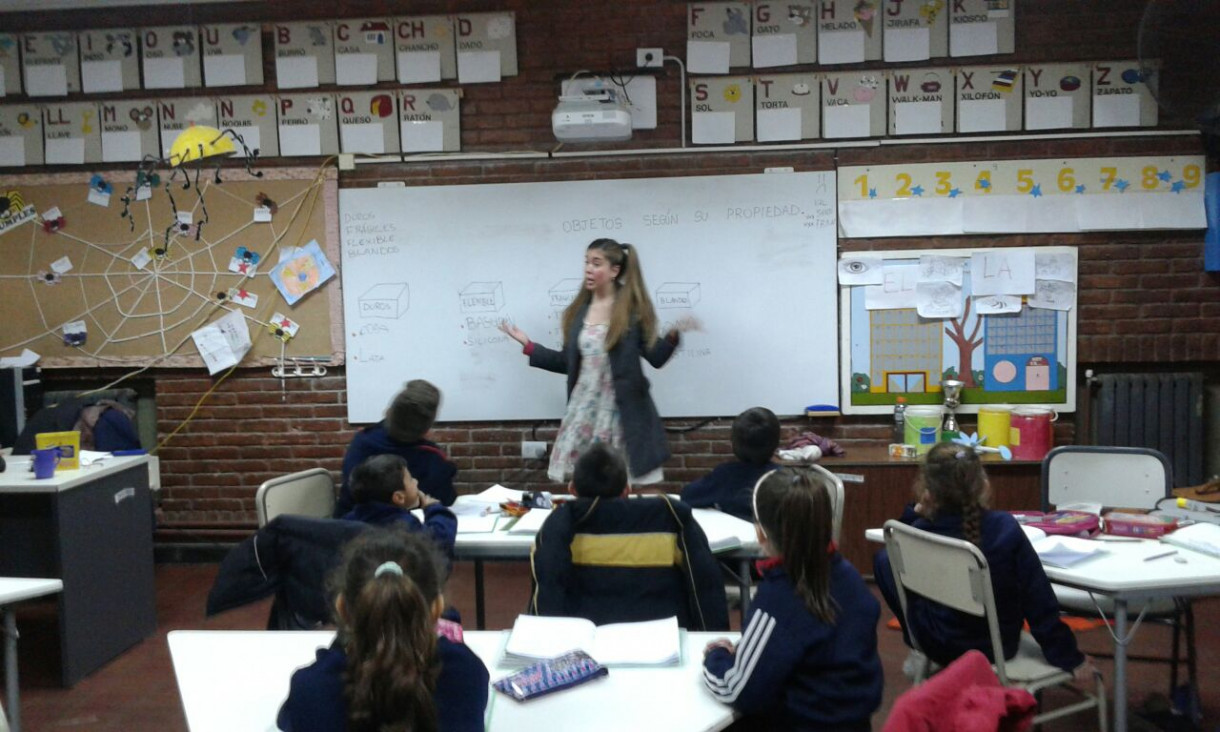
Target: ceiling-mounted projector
[591,113]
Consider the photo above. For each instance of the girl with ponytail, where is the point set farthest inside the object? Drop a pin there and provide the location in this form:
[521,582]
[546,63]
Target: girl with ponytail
[807,658]
[608,327]
[392,668]
[951,497]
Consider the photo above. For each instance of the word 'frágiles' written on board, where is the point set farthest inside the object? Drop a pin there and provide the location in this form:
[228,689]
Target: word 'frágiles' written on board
[364,235]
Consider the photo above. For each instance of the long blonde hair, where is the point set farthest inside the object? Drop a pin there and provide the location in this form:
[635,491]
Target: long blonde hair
[631,302]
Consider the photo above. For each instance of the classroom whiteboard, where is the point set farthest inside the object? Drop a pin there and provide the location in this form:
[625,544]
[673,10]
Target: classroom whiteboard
[428,272]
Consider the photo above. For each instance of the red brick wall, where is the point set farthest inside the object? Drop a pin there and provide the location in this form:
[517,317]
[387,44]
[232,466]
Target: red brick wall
[1144,299]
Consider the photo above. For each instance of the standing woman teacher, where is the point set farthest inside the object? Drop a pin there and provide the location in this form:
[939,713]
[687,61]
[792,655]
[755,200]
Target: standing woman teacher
[609,326]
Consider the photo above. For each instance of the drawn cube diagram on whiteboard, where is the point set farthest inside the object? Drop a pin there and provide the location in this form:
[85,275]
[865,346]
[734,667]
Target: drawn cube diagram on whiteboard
[563,292]
[482,297]
[678,295]
[387,300]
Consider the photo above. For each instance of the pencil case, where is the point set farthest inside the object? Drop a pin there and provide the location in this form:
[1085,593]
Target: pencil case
[547,677]
[1062,522]
[1139,524]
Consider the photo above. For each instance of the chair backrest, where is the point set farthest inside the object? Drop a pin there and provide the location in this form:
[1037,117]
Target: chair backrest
[307,493]
[837,496]
[1122,477]
[952,572]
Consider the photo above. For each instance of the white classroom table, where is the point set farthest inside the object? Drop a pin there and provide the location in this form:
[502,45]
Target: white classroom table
[13,590]
[234,681]
[503,545]
[1120,573]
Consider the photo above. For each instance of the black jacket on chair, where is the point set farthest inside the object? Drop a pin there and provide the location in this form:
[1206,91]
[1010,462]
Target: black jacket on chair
[623,560]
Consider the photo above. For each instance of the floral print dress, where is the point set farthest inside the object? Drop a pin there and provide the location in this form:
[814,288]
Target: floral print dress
[592,414]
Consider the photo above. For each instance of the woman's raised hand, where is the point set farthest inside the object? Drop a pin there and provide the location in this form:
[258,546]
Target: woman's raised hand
[686,323]
[512,331]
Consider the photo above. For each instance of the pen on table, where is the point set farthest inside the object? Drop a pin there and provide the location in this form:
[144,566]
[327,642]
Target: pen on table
[1162,555]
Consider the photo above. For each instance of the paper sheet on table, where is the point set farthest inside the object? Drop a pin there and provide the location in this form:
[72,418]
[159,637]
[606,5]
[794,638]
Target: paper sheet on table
[907,44]
[423,135]
[847,120]
[707,57]
[713,128]
[355,69]
[982,115]
[366,137]
[917,118]
[50,80]
[775,125]
[1116,110]
[164,73]
[418,67]
[997,304]
[973,39]
[1048,113]
[940,268]
[477,524]
[226,69]
[1002,272]
[1183,210]
[296,72]
[498,494]
[89,457]
[775,50]
[223,343]
[300,140]
[841,47]
[1053,295]
[101,76]
[531,522]
[1055,266]
[854,270]
[897,289]
[938,300]
[27,358]
[1060,551]
[478,66]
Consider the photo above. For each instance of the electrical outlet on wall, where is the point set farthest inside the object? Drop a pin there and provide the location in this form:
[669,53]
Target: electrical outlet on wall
[531,450]
[649,58]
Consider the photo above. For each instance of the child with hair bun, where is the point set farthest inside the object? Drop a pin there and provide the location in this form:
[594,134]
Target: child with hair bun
[390,669]
[807,658]
[951,500]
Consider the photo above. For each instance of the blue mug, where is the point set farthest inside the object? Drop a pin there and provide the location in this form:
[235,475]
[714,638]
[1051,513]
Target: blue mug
[45,462]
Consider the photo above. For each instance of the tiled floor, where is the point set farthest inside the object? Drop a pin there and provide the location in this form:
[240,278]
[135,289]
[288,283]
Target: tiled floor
[138,692]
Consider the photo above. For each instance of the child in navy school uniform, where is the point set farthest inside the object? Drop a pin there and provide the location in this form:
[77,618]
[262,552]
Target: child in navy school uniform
[807,659]
[952,494]
[393,664]
[729,487]
[385,493]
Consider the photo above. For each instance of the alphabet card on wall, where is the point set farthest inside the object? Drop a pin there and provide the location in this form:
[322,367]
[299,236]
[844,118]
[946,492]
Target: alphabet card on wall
[717,37]
[308,124]
[430,120]
[1121,97]
[785,34]
[921,101]
[989,98]
[20,135]
[849,32]
[10,64]
[304,55]
[253,117]
[486,46]
[853,104]
[787,107]
[981,27]
[915,30]
[1057,96]
[171,57]
[129,130]
[1003,321]
[178,114]
[72,133]
[232,54]
[364,51]
[722,110]
[109,60]
[367,122]
[49,63]
[425,49]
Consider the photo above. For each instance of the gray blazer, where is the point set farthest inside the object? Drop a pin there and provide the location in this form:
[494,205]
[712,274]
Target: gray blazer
[647,446]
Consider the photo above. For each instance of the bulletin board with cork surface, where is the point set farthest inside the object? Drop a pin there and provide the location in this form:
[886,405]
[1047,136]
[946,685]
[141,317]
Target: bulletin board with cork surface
[142,283]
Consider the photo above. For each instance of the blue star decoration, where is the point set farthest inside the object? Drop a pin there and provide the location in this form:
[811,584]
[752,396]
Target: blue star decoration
[1164,175]
[1122,185]
[955,192]
[985,184]
[1036,191]
[917,191]
[1080,188]
[1178,186]
[872,192]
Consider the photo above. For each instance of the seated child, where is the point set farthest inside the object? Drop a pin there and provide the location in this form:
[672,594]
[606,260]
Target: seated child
[392,665]
[807,659]
[407,421]
[728,488]
[385,493]
[612,559]
[952,491]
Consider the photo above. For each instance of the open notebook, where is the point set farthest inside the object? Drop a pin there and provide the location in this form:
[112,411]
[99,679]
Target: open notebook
[1200,537]
[648,643]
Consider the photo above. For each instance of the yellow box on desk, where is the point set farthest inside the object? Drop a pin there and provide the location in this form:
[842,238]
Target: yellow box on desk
[68,444]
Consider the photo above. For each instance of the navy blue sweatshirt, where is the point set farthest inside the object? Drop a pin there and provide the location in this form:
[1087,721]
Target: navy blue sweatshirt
[316,703]
[426,461]
[728,488]
[792,671]
[439,522]
[1022,593]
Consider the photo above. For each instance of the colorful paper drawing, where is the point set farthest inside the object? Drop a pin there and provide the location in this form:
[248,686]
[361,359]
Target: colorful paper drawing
[283,327]
[301,272]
